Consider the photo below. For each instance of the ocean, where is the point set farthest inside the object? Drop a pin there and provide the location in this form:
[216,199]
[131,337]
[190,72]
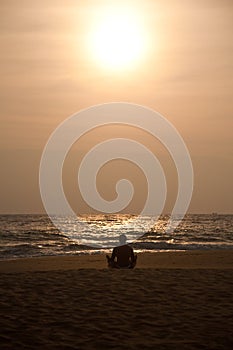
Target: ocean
[35,235]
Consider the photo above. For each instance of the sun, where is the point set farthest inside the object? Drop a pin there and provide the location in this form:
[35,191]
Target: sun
[118,40]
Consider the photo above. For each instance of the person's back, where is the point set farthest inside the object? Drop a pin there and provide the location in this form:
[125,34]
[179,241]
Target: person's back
[124,255]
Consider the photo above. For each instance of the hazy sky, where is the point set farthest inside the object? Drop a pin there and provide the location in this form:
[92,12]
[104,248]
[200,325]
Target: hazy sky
[49,71]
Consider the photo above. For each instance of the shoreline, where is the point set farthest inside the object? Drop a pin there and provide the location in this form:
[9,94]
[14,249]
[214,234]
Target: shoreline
[194,259]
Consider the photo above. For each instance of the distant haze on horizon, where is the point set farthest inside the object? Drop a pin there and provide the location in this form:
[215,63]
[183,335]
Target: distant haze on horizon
[49,73]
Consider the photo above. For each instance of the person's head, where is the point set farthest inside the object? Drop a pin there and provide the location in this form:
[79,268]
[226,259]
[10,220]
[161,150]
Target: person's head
[122,239]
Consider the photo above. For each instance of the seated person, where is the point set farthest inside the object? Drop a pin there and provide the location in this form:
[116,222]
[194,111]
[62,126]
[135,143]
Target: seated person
[124,255]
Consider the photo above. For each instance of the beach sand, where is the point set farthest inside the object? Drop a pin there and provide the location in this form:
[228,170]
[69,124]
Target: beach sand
[171,300]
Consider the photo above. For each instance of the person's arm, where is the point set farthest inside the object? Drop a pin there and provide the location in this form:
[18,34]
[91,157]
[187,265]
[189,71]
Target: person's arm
[132,255]
[113,254]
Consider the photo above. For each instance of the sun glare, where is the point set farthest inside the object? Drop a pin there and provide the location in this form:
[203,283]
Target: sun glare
[117,40]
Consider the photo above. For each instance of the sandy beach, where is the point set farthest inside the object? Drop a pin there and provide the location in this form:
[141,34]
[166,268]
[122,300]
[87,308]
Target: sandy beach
[171,300]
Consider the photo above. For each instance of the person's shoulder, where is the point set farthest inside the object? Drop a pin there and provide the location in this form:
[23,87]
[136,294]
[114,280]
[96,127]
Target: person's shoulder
[123,247]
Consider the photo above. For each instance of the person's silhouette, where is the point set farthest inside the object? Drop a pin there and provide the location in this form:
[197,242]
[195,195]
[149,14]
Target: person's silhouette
[124,255]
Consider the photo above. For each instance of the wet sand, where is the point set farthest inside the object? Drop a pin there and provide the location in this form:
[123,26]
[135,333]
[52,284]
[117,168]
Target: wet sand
[178,300]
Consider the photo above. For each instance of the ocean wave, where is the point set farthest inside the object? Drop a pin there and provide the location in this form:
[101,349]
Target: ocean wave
[35,235]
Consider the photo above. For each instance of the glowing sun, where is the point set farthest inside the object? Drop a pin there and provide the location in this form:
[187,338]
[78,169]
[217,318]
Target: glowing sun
[118,40]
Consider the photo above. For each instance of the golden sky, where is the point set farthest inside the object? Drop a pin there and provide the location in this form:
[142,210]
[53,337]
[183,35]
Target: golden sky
[50,68]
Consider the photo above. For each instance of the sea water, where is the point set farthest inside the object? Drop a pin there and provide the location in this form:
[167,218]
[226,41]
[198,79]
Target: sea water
[36,235]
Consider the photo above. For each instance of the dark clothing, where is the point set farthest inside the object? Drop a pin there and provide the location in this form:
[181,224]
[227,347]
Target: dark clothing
[124,257]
